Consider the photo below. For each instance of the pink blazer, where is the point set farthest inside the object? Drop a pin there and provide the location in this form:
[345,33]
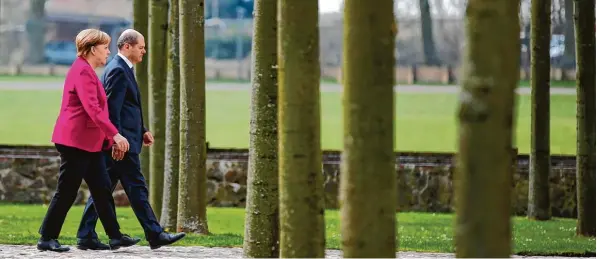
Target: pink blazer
[83,121]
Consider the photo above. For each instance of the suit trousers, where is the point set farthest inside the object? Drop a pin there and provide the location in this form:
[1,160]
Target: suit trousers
[76,165]
[128,171]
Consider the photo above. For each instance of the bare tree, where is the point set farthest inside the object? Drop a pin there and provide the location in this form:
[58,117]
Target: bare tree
[172,152]
[429,50]
[368,160]
[36,31]
[568,60]
[539,207]
[486,119]
[302,228]
[158,26]
[141,24]
[261,218]
[584,19]
[192,184]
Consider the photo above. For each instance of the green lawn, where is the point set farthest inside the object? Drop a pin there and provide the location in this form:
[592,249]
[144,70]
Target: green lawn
[565,84]
[43,78]
[522,83]
[416,231]
[424,122]
[31,78]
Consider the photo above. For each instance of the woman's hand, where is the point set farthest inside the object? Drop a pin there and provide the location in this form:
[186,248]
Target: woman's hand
[121,143]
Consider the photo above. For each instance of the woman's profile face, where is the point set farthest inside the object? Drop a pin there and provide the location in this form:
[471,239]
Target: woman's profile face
[101,53]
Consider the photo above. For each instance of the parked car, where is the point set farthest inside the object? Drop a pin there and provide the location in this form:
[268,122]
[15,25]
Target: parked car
[556,48]
[60,52]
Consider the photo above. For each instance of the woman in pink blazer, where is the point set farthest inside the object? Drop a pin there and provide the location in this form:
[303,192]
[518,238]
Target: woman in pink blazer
[82,131]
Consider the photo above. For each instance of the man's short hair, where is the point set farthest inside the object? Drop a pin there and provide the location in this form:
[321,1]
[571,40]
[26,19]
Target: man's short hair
[128,37]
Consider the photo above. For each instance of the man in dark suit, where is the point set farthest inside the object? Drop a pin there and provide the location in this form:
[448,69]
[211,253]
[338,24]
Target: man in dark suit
[124,104]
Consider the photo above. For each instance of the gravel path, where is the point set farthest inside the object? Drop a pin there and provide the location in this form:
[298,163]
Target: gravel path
[325,87]
[17,251]
[11,251]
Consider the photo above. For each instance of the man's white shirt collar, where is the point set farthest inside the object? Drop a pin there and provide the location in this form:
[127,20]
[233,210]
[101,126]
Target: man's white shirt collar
[128,62]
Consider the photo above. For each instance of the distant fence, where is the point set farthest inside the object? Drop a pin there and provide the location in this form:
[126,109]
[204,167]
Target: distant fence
[240,70]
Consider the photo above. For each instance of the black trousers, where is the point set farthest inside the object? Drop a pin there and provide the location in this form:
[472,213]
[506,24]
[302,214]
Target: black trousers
[128,171]
[76,165]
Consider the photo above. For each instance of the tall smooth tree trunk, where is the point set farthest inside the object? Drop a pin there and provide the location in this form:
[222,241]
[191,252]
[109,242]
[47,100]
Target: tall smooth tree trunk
[140,24]
[368,221]
[170,199]
[158,33]
[539,207]
[429,50]
[584,19]
[262,236]
[192,194]
[486,117]
[36,31]
[302,229]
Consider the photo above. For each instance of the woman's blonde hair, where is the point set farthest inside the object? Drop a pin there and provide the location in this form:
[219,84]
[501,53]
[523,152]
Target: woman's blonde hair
[88,38]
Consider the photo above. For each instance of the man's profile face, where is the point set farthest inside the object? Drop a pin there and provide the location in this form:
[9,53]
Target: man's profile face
[137,51]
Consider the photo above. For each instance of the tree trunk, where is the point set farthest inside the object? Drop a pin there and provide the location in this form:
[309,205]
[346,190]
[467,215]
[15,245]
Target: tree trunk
[170,201]
[192,194]
[302,229]
[140,23]
[158,31]
[368,162]
[36,31]
[262,237]
[584,20]
[569,48]
[429,51]
[539,207]
[486,117]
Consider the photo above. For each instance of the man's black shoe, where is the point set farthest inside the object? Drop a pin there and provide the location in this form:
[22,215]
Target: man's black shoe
[51,245]
[124,241]
[91,244]
[164,239]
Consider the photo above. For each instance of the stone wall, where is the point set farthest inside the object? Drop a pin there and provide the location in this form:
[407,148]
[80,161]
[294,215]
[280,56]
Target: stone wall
[424,180]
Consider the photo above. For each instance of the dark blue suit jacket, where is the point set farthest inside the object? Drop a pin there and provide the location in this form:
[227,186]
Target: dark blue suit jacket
[124,102]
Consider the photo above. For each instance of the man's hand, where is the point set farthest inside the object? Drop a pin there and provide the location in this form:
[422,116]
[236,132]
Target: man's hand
[147,139]
[117,154]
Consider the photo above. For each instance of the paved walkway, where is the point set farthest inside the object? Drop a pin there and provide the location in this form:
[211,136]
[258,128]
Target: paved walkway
[325,87]
[21,252]
[11,251]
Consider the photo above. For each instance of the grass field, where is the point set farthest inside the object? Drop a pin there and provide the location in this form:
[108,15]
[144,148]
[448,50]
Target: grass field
[523,83]
[565,84]
[417,231]
[31,78]
[424,122]
[43,78]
